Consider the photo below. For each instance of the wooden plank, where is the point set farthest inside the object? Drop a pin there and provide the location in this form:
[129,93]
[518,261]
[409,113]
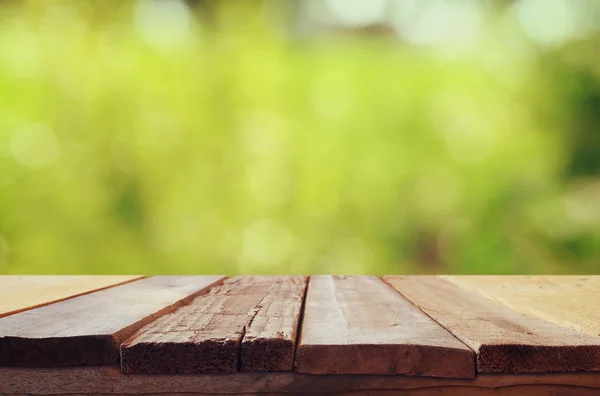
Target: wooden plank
[506,341]
[248,323]
[108,380]
[587,281]
[359,325]
[20,293]
[566,301]
[269,341]
[89,329]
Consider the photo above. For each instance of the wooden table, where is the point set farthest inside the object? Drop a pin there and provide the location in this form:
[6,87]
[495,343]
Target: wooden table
[401,335]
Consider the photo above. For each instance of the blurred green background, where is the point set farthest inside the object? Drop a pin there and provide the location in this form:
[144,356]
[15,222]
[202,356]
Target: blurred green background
[239,136]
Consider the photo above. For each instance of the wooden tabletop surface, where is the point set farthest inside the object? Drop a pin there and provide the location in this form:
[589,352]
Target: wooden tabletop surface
[297,334]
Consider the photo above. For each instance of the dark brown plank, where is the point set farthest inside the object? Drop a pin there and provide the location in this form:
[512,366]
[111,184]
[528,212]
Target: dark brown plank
[359,325]
[89,329]
[249,316]
[506,341]
[108,380]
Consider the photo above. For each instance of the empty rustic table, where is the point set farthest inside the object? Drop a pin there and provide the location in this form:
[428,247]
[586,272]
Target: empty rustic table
[211,335]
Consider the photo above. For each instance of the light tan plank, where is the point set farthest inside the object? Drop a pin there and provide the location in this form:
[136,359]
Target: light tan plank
[506,341]
[257,314]
[588,281]
[108,380]
[88,329]
[359,325]
[568,301]
[20,293]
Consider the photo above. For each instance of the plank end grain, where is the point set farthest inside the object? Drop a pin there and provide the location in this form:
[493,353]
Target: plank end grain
[386,359]
[267,354]
[504,340]
[518,359]
[27,352]
[359,325]
[88,330]
[181,356]
[186,341]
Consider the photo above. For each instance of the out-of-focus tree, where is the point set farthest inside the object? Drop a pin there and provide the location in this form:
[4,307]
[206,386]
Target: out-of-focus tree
[299,137]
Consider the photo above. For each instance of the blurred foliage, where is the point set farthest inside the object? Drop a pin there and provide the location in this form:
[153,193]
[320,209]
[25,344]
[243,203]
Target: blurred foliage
[208,137]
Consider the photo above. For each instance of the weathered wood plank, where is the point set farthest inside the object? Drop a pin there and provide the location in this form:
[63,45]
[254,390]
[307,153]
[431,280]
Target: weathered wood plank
[20,293]
[108,380]
[269,342]
[506,341]
[89,329]
[359,325]
[248,323]
[566,301]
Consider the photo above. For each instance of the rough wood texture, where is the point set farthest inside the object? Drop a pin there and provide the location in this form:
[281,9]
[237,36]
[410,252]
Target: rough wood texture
[249,316]
[568,301]
[359,325]
[108,380]
[269,342]
[506,341]
[20,293]
[89,329]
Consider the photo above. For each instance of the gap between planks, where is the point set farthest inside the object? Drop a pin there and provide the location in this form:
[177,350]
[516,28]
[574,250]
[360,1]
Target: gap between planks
[300,323]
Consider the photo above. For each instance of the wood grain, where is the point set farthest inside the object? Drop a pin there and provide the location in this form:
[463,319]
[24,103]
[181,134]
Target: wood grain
[108,380]
[20,293]
[568,301]
[269,341]
[506,341]
[247,323]
[88,329]
[586,281]
[359,325]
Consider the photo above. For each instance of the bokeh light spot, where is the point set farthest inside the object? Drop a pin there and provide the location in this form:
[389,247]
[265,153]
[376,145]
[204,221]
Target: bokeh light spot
[163,24]
[35,145]
[548,22]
